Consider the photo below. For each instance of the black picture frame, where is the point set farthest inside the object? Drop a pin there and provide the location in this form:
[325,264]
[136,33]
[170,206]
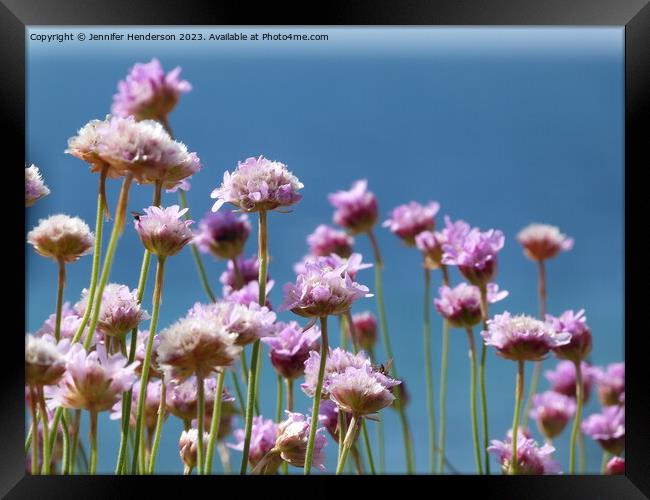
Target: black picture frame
[634,15]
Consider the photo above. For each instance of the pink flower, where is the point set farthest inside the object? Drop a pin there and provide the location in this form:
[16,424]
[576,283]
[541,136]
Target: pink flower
[552,411]
[263,438]
[293,436]
[182,398]
[35,188]
[337,361]
[611,384]
[326,240]
[61,238]
[576,324]
[151,405]
[162,230]
[563,379]
[365,330]
[361,391]
[461,305]
[608,428]
[615,467]
[289,348]
[222,234]
[234,279]
[407,221]
[44,360]
[355,210]
[531,458]
[541,241]
[189,447]
[430,244]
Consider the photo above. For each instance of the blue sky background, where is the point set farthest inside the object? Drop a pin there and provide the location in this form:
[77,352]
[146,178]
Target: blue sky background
[502,126]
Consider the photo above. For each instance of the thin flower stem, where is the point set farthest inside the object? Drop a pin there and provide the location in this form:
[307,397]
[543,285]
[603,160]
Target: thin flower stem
[146,365]
[340,416]
[93,442]
[65,460]
[59,299]
[289,383]
[519,394]
[576,421]
[350,438]
[379,291]
[35,436]
[244,371]
[47,450]
[428,371]
[235,383]
[224,456]
[324,351]
[603,462]
[481,375]
[472,401]
[239,278]
[444,356]
[351,332]
[200,417]
[379,431]
[582,453]
[216,421]
[76,423]
[160,420]
[366,439]
[83,458]
[358,461]
[279,399]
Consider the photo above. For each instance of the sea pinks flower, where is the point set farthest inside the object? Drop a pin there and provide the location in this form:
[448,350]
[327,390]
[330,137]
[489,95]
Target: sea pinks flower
[250,294]
[552,411]
[531,458]
[522,338]
[93,381]
[182,398]
[247,270]
[542,241]
[263,437]
[188,447]
[430,244]
[473,251]
[44,360]
[409,220]
[70,322]
[258,184]
[61,238]
[120,311]
[365,330]
[563,378]
[361,391]
[151,405]
[35,188]
[356,209]
[461,305]
[611,384]
[354,263]
[250,322]
[615,467]
[196,344]
[85,146]
[291,443]
[163,231]
[222,234]
[289,348]
[608,428]
[322,290]
[326,240]
[147,92]
[328,416]
[576,324]
[337,361]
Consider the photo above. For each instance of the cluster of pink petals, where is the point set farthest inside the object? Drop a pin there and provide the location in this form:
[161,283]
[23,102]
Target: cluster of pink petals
[70,322]
[45,360]
[338,360]
[151,404]
[615,467]
[563,378]
[258,184]
[289,348]
[354,263]
[608,428]
[365,330]
[326,240]
[461,305]
[542,241]
[430,244]
[182,398]
[35,188]
[522,338]
[355,210]
[574,323]
[61,238]
[250,294]
[222,234]
[293,436]
[248,269]
[250,322]
[552,411]
[163,231]
[263,437]
[328,417]
[531,458]
[147,92]
[361,390]
[611,384]
[409,220]
[189,447]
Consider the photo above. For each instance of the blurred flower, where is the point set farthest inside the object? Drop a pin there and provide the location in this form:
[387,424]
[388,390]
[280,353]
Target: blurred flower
[608,428]
[222,234]
[531,458]
[249,294]
[293,436]
[326,240]
[70,322]
[611,384]
[579,346]
[234,279]
[542,241]
[552,411]
[250,322]
[61,238]
[461,305]
[35,188]
[355,210]
[563,378]
[188,446]
[289,348]
[44,360]
[354,263]
[615,467]
[365,330]
[140,350]
[361,391]
[409,220]
[151,405]
[263,436]
[430,244]
[163,231]
[182,398]
[328,416]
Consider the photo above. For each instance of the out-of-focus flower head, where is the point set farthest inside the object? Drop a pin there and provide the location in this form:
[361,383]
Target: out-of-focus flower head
[409,220]
[356,209]
[531,458]
[608,428]
[542,241]
[61,238]
[552,411]
[461,305]
[293,436]
[263,436]
[326,240]
[289,348]
[44,360]
[35,187]
[563,378]
[222,234]
[574,323]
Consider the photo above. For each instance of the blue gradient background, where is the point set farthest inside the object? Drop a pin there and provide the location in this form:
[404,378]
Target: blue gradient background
[502,126]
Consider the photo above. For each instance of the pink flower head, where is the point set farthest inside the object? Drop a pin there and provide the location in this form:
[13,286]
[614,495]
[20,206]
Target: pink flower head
[356,209]
[189,447]
[44,360]
[140,351]
[473,251]
[258,184]
[235,278]
[365,330]
[608,428]
[250,322]
[563,378]
[151,405]
[70,322]
[289,348]
[163,231]
[541,241]
[93,381]
[249,294]
[61,238]
[615,467]
[407,221]
[323,290]
[576,324]
[35,188]
[147,92]
[522,338]
[611,384]
[263,437]
[326,240]
[293,436]
[531,458]
[430,244]
[222,234]
[552,411]
[361,391]
[337,362]
[182,398]
[328,417]
[354,263]
[461,305]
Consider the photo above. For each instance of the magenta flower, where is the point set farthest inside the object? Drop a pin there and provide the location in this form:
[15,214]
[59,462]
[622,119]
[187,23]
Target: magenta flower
[45,360]
[407,221]
[608,428]
[188,446]
[563,379]
[611,384]
[326,240]
[289,348]
[337,361]
[576,324]
[151,405]
[93,381]
[522,338]
[322,290]
[291,443]
[61,238]
[430,244]
[354,263]
[249,294]
[35,188]
[250,322]
[355,210]
[163,231]
[70,322]
[615,467]
[531,458]
[365,330]
[552,411]
[361,391]
[461,305]
[541,241]
[235,278]
[473,251]
[147,92]
[328,417]
[182,398]
[258,184]
[222,234]
[263,437]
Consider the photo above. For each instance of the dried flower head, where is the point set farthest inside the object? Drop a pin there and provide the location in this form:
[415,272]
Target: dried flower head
[356,209]
[542,241]
[163,231]
[61,238]
[189,447]
[409,220]
[289,348]
[35,188]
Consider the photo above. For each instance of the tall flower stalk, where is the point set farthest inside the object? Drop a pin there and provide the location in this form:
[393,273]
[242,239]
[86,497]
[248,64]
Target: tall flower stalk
[472,395]
[428,372]
[443,381]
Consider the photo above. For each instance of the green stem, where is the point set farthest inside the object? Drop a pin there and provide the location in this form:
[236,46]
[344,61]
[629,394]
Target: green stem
[289,394]
[279,399]
[582,453]
[235,383]
[216,421]
[146,365]
[324,351]
[93,442]
[401,408]
[59,300]
[350,438]
[472,401]
[32,403]
[343,341]
[65,460]
[47,449]
[481,375]
[379,432]
[576,421]
[200,417]
[352,333]
[160,420]
[428,371]
[366,439]
[519,394]
[76,422]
